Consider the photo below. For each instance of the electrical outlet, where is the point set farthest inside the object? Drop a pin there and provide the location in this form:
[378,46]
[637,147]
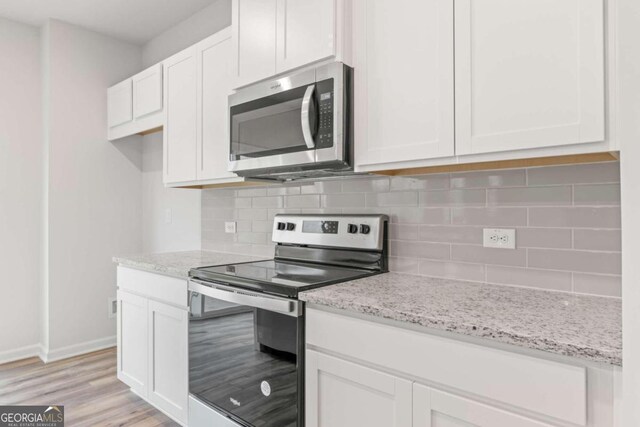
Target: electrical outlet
[503,238]
[167,216]
[230,227]
[112,306]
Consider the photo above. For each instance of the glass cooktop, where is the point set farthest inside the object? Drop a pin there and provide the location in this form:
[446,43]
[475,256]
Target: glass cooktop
[279,277]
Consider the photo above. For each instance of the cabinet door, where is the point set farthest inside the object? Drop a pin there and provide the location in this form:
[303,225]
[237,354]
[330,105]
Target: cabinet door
[254,40]
[306,32]
[529,73]
[133,357]
[168,371]
[403,57]
[180,125]
[343,394]
[147,91]
[434,408]
[214,78]
[119,103]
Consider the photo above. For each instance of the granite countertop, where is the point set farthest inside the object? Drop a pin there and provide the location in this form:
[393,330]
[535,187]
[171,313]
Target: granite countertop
[178,264]
[586,327]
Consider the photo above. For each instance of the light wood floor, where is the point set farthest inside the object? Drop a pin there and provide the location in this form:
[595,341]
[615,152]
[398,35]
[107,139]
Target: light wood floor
[87,387]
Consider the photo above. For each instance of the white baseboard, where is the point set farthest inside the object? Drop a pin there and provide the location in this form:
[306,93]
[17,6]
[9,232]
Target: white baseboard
[20,353]
[51,355]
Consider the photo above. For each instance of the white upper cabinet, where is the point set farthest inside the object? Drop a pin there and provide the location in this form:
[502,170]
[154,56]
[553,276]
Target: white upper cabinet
[147,91]
[305,32]
[135,105]
[214,80]
[274,36]
[404,99]
[254,40]
[529,74]
[180,128]
[119,104]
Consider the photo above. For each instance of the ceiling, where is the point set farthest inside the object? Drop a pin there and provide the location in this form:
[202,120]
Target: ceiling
[136,21]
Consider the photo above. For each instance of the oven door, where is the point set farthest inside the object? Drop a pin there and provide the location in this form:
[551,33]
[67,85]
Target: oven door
[245,355]
[291,123]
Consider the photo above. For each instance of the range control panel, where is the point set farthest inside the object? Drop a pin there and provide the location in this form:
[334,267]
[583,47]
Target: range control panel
[345,231]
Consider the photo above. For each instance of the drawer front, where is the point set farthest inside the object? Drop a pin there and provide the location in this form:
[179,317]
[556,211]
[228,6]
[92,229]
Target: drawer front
[554,389]
[166,289]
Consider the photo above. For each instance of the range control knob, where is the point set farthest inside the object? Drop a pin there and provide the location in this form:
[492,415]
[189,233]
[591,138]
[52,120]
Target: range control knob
[282,226]
[352,228]
[364,229]
[291,226]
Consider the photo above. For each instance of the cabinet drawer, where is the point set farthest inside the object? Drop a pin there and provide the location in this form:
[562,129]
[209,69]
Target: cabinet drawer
[546,387]
[155,286]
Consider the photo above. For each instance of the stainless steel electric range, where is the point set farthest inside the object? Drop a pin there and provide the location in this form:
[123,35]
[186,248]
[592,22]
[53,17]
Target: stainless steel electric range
[246,328]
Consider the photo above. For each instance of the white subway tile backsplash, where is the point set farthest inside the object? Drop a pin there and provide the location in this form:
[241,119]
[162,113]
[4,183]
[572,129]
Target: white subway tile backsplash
[567,221]
[597,240]
[450,234]
[426,182]
[575,217]
[482,255]
[342,200]
[596,194]
[559,238]
[530,196]
[570,260]
[398,198]
[475,197]
[574,174]
[453,270]
[493,217]
[489,179]
[303,201]
[529,277]
[597,284]
[412,249]
[365,185]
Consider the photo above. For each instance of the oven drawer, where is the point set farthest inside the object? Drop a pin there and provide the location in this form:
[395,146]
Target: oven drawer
[162,288]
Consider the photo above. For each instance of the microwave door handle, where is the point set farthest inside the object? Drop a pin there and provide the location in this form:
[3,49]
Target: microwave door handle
[305,116]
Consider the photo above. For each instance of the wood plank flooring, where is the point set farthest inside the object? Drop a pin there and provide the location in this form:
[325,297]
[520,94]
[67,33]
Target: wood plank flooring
[86,385]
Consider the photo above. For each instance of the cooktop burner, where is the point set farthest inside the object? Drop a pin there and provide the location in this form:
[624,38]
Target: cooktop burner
[280,277]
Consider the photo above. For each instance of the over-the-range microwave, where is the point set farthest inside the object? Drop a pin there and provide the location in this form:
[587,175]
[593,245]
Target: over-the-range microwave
[298,126]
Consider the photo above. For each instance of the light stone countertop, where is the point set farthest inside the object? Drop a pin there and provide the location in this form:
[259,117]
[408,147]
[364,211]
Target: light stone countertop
[586,327]
[178,264]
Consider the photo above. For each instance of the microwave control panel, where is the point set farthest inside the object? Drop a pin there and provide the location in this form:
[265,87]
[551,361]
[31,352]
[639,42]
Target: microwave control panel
[324,90]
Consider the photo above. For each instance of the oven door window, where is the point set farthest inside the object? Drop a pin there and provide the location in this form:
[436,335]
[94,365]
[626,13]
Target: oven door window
[243,361]
[277,124]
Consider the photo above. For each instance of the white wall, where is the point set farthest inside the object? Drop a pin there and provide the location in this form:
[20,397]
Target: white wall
[20,188]
[209,20]
[94,186]
[183,232]
[629,134]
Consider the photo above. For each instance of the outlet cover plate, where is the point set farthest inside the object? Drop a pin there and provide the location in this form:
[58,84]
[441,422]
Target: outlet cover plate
[503,238]
[230,227]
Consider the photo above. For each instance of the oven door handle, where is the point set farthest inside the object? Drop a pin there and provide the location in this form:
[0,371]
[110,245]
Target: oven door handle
[248,298]
[305,116]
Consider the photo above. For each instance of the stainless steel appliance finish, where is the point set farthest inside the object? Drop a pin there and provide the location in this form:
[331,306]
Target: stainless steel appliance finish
[246,329]
[297,126]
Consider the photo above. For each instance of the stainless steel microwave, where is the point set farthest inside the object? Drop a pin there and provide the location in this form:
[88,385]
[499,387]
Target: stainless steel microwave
[298,126]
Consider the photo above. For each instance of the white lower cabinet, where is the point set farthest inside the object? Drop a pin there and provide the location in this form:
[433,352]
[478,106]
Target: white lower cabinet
[153,339]
[362,372]
[435,408]
[168,361]
[132,341]
[343,394]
